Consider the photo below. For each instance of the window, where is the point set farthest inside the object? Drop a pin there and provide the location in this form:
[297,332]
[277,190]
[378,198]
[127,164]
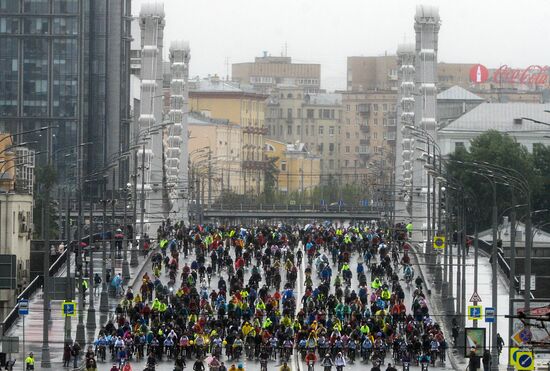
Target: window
[331,130]
[346,163]
[321,129]
[385,122]
[298,130]
[320,147]
[289,114]
[385,107]
[307,131]
[375,135]
[356,149]
[331,164]
[283,165]
[347,149]
[331,147]
[320,113]
[375,121]
[348,136]
[310,113]
[289,130]
[459,145]
[347,107]
[299,114]
[375,106]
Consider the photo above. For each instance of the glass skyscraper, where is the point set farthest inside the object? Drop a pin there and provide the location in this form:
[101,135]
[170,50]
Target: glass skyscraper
[65,63]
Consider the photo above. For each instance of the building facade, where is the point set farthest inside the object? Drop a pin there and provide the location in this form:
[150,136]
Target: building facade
[312,119]
[58,69]
[266,72]
[503,117]
[218,99]
[215,158]
[299,170]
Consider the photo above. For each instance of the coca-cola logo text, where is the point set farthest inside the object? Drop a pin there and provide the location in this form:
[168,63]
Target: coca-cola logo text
[532,75]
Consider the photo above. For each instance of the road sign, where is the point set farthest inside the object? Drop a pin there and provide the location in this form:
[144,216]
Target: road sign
[522,282]
[439,242]
[474,312]
[490,314]
[525,361]
[68,308]
[514,355]
[323,203]
[475,298]
[522,336]
[23,307]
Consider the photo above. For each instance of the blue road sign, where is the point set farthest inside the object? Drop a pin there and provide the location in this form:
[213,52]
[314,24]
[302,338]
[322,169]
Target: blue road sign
[69,308]
[323,203]
[364,203]
[23,307]
[490,314]
[474,312]
[525,361]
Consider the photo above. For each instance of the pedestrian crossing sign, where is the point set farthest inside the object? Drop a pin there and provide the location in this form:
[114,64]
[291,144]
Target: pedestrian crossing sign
[439,242]
[474,312]
[68,308]
[525,361]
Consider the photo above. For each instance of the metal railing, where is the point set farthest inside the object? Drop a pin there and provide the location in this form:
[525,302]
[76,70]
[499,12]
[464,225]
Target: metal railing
[30,290]
[291,207]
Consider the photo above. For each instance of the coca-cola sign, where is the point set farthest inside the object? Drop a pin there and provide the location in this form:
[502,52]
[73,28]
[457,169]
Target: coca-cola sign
[532,75]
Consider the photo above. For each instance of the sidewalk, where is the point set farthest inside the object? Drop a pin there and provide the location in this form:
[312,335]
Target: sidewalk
[34,321]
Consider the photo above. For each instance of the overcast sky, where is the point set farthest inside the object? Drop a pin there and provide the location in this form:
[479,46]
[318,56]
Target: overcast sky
[491,32]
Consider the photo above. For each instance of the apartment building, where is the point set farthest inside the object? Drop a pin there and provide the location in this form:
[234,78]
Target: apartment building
[312,119]
[266,72]
[298,168]
[218,99]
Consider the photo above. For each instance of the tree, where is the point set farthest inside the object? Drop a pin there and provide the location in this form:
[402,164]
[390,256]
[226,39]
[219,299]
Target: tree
[494,148]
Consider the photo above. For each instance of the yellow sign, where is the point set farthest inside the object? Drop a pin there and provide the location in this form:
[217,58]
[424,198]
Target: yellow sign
[513,356]
[525,361]
[68,308]
[439,242]
[474,312]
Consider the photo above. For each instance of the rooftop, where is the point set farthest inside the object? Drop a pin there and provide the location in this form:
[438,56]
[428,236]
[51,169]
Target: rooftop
[325,99]
[458,93]
[214,84]
[195,118]
[502,117]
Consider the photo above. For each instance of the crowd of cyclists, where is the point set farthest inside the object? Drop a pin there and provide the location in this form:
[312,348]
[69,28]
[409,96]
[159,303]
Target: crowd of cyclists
[219,297]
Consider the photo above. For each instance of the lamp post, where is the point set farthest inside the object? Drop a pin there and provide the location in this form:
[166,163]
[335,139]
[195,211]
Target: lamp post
[125,264]
[90,321]
[46,362]
[104,298]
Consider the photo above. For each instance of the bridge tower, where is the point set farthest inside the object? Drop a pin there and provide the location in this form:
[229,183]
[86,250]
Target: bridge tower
[151,22]
[177,153]
[404,139]
[426,26]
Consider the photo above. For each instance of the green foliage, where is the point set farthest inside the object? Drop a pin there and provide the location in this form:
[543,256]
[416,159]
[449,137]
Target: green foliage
[502,150]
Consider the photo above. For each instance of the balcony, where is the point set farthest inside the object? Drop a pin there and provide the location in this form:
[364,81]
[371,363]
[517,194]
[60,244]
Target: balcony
[363,109]
[364,141]
[364,128]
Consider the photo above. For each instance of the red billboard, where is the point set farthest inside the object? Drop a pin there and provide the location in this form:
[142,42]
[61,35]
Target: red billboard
[532,75]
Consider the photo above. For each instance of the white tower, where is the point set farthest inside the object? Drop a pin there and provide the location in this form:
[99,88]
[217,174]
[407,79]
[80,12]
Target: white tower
[177,153]
[151,21]
[405,142]
[426,27]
